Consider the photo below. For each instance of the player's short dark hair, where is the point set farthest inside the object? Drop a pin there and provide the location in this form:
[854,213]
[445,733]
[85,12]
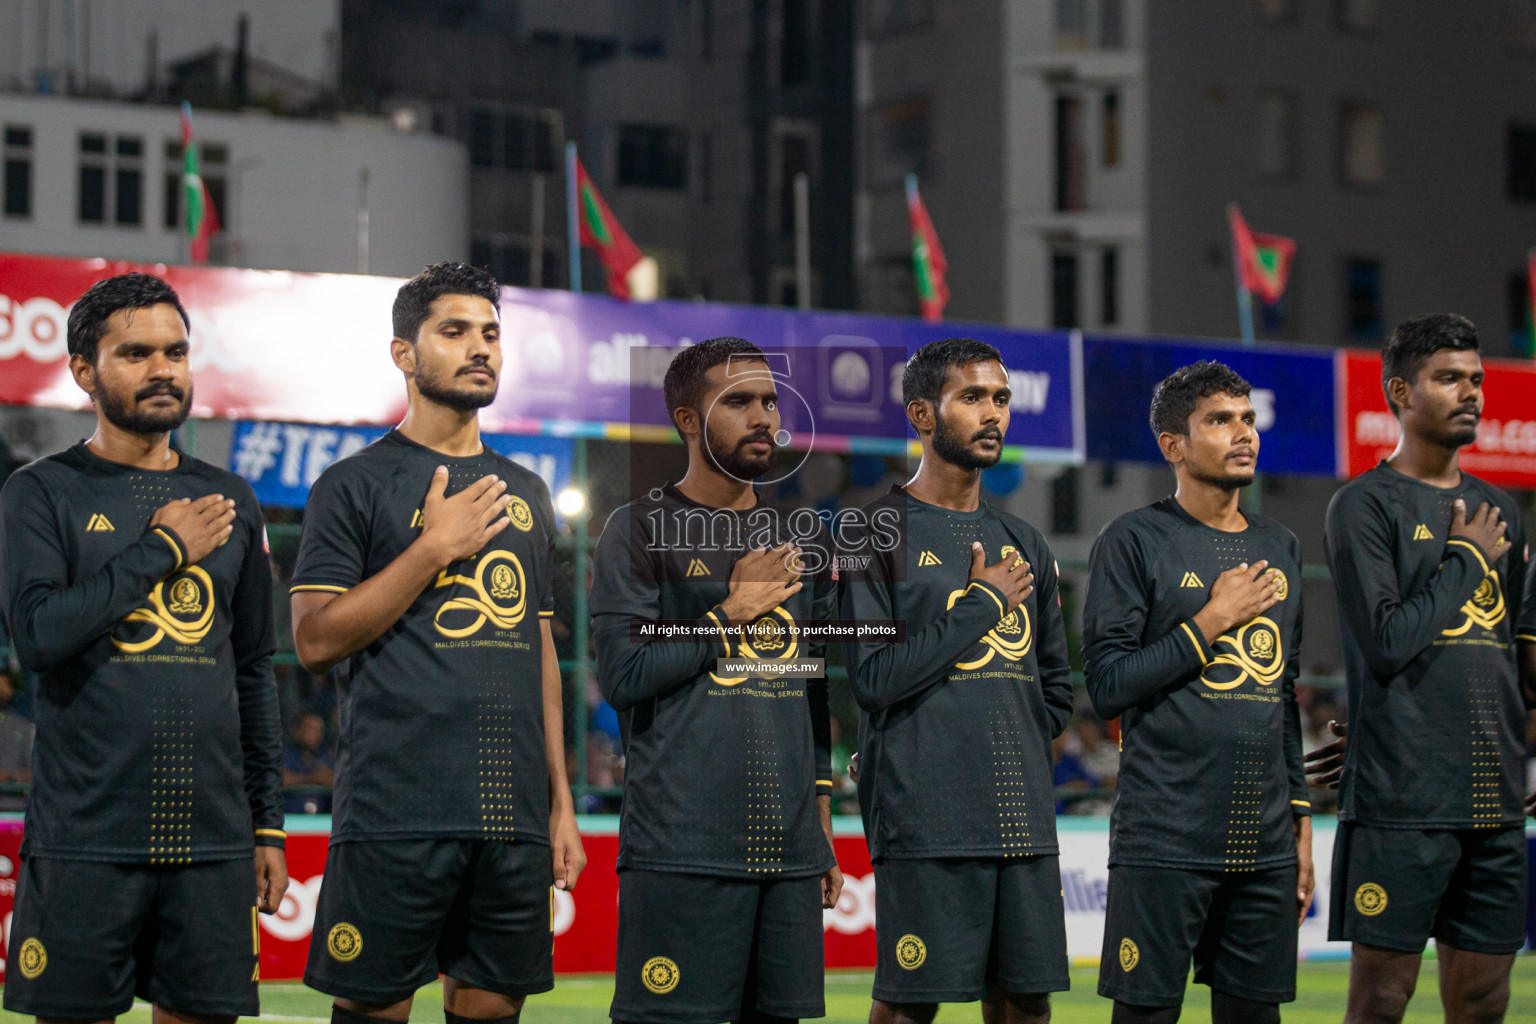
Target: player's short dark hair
[1410,345]
[1176,395]
[88,316]
[413,302]
[683,386]
[929,366]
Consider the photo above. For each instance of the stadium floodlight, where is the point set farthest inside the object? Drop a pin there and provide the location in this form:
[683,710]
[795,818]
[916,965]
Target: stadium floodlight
[571,502]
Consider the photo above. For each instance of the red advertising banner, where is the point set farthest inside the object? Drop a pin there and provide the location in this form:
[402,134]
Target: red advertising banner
[586,920]
[1505,451]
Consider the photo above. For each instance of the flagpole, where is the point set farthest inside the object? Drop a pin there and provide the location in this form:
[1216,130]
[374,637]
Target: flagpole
[572,224]
[1244,296]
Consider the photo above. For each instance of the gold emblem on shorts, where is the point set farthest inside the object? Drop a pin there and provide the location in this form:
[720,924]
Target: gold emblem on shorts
[34,959]
[520,514]
[1130,956]
[910,952]
[344,942]
[659,975]
[1370,899]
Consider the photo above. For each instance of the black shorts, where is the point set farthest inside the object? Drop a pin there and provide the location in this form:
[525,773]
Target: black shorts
[1239,928]
[86,937]
[700,949]
[393,914]
[1394,888]
[949,929]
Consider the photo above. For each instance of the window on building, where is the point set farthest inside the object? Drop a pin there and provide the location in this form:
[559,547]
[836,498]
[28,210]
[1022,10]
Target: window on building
[213,162]
[1361,16]
[1360,145]
[653,156]
[1363,314]
[1071,24]
[1277,134]
[1276,10]
[1064,290]
[1111,24]
[1522,340]
[110,184]
[510,259]
[516,139]
[1110,121]
[1109,287]
[1520,162]
[896,15]
[1071,190]
[18,171]
[92,199]
[795,44]
[128,188]
[898,141]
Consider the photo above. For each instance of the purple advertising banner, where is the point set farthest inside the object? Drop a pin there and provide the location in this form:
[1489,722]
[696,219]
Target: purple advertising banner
[600,361]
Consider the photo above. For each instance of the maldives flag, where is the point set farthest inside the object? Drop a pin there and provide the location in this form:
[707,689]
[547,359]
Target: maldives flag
[201,219]
[1263,261]
[928,262]
[601,232]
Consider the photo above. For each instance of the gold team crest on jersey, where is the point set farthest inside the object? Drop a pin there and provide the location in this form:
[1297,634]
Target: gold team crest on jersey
[498,594]
[1485,608]
[769,637]
[1253,651]
[180,607]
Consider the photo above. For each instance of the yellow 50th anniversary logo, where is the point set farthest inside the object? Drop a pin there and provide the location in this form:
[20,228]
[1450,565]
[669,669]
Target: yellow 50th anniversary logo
[498,594]
[180,607]
[769,637]
[1485,609]
[1253,652]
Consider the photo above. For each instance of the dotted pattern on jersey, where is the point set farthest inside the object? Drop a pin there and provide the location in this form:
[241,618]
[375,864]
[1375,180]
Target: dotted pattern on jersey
[1485,714]
[1245,799]
[151,492]
[171,781]
[1011,775]
[765,801]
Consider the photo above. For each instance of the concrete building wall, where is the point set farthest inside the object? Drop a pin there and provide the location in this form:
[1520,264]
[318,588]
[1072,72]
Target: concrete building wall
[293,188]
[1448,80]
[951,67]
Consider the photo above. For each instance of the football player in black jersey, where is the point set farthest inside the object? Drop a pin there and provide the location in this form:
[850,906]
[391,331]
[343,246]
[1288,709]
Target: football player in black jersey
[725,858]
[957,716]
[1429,563]
[1191,633]
[136,583]
[424,578]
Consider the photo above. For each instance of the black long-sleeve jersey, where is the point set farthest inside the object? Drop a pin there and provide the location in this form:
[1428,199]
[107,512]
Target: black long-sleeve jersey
[1211,762]
[1436,719]
[158,739]
[722,771]
[956,718]
[442,717]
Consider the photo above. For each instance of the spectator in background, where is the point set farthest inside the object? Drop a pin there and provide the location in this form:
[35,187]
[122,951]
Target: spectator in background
[308,761]
[15,745]
[1099,755]
[1068,773]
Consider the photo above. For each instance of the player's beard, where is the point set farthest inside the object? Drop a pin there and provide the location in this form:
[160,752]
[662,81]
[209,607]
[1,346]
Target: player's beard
[434,387]
[733,461]
[126,415]
[1224,481]
[948,446]
[1459,435]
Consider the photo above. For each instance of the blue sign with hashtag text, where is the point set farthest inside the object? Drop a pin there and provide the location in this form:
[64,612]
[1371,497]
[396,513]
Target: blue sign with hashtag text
[281,461]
